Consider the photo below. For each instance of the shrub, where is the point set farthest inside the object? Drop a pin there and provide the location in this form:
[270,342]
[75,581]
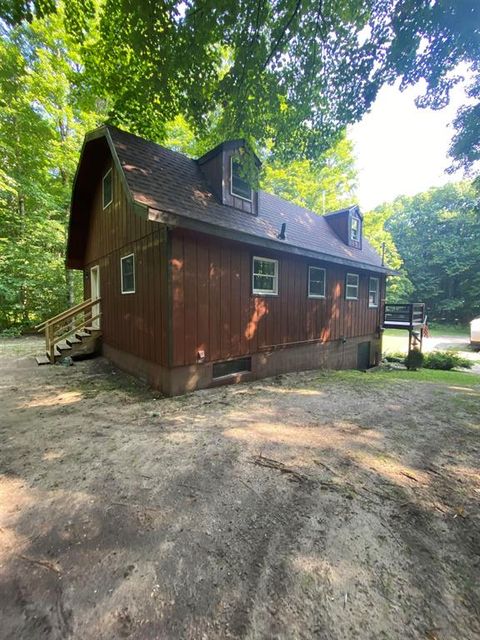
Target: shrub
[396,356]
[11,332]
[414,360]
[446,360]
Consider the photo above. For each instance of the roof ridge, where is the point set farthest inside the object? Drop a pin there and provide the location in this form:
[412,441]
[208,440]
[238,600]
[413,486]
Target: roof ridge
[148,141]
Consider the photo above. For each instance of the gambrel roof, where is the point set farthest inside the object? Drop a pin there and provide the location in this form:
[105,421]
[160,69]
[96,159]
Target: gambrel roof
[170,187]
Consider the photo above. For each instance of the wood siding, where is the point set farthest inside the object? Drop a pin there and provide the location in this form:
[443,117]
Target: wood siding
[213,308]
[136,323]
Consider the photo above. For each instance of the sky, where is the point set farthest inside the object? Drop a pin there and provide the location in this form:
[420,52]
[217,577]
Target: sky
[400,149]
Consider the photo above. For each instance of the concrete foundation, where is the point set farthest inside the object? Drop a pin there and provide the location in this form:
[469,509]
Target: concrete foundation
[273,361]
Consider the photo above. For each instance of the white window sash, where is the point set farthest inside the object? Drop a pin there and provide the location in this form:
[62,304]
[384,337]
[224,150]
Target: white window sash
[236,195]
[109,172]
[310,280]
[273,277]
[350,286]
[375,291]
[122,260]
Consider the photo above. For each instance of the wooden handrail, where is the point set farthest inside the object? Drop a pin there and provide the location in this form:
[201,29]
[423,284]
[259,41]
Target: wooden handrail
[69,313]
[56,328]
[77,327]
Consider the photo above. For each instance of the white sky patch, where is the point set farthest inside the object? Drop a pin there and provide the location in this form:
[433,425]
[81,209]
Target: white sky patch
[400,149]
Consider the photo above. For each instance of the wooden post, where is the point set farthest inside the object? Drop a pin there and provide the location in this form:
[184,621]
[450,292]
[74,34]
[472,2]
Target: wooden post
[51,343]
[47,336]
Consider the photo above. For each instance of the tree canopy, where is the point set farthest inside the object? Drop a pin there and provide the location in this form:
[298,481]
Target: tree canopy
[288,74]
[437,235]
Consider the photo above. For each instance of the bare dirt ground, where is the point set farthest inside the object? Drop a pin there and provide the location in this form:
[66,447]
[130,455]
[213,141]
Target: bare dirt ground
[315,505]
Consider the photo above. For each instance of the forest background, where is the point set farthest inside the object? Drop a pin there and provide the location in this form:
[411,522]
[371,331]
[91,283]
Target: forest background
[66,69]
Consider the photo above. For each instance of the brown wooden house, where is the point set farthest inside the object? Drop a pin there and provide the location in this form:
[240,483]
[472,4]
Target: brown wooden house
[204,281]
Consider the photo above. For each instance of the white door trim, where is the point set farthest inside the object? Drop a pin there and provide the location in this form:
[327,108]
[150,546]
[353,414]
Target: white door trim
[95,293]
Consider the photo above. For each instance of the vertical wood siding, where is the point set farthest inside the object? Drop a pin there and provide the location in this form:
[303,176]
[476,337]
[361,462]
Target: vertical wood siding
[136,322]
[214,310]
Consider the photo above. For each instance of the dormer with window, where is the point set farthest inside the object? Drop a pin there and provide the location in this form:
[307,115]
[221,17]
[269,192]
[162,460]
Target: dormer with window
[355,228]
[347,224]
[228,169]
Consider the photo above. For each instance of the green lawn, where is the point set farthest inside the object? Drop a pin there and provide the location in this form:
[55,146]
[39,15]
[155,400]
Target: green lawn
[457,330]
[383,376]
[396,340]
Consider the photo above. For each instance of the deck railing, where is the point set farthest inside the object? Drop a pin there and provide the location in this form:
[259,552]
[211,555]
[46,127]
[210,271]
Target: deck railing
[409,314]
[68,322]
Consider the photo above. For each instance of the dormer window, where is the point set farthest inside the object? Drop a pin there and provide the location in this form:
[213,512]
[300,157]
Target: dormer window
[239,187]
[355,229]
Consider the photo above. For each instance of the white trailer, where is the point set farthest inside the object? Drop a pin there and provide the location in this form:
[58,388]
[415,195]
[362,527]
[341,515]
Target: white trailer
[475,333]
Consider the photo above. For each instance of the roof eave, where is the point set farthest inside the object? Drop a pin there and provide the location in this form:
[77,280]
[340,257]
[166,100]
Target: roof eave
[175,220]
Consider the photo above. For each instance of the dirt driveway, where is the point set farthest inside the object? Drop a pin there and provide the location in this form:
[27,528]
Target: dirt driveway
[332,506]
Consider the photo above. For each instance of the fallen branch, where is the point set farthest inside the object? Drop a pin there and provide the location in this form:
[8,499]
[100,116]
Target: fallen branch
[325,466]
[42,563]
[407,475]
[275,464]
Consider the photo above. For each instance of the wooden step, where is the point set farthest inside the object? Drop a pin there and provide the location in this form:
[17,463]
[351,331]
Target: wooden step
[63,346]
[82,334]
[92,329]
[42,359]
[72,340]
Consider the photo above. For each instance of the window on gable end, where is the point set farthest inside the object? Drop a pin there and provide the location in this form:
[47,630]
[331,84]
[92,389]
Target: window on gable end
[127,264]
[107,188]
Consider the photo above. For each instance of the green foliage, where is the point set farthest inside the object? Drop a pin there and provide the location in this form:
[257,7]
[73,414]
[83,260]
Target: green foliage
[323,186]
[414,360]
[437,233]
[399,287]
[44,112]
[285,74]
[465,146]
[11,332]
[446,360]
[396,356]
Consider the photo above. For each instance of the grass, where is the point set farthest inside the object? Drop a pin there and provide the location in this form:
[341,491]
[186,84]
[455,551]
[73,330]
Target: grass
[438,330]
[384,376]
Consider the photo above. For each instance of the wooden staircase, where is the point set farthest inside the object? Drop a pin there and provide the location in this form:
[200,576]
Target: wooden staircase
[75,332]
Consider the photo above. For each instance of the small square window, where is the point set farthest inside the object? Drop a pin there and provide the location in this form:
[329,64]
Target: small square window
[316,282]
[128,273]
[239,187]
[351,286]
[265,276]
[107,189]
[373,292]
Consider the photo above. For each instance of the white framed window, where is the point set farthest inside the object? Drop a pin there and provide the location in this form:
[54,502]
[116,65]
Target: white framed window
[239,187]
[316,282]
[265,276]
[351,286]
[355,229]
[127,268]
[107,189]
[373,292]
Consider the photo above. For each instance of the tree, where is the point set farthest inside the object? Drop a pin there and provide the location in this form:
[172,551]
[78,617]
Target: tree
[323,186]
[399,287]
[436,234]
[290,73]
[44,113]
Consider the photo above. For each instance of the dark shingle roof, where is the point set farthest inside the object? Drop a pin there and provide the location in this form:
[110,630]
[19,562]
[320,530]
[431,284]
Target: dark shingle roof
[170,182]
